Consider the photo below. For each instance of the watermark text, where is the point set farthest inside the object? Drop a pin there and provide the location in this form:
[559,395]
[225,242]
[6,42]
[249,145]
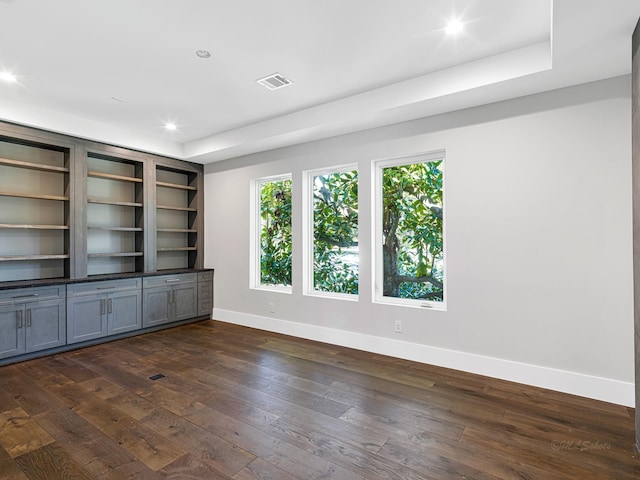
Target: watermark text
[580,445]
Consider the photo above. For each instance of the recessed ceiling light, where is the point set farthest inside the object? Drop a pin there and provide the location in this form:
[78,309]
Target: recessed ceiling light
[203,53]
[170,126]
[454,26]
[8,77]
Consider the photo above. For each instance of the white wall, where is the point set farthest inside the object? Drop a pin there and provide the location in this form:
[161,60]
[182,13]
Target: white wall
[538,242]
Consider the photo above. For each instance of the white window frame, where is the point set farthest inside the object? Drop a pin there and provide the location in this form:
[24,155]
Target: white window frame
[377,235]
[308,283]
[255,230]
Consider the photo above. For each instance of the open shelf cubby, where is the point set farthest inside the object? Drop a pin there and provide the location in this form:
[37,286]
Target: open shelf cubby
[176,217]
[115,215]
[35,214]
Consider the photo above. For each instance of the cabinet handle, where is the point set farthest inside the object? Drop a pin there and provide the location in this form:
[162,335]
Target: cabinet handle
[172,280]
[110,305]
[34,295]
[102,306]
[169,298]
[174,296]
[28,317]
[105,288]
[18,319]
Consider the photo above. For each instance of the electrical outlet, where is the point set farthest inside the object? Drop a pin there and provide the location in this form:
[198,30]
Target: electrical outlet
[398,326]
[272,308]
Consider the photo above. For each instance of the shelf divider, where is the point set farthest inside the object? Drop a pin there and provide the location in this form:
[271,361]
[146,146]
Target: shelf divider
[115,254]
[35,196]
[34,227]
[33,166]
[112,176]
[113,202]
[175,185]
[180,209]
[116,229]
[8,258]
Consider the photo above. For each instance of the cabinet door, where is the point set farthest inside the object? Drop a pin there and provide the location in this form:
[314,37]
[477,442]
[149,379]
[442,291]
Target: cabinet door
[125,312]
[12,326]
[86,318]
[185,299]
[156,306]
[46,325]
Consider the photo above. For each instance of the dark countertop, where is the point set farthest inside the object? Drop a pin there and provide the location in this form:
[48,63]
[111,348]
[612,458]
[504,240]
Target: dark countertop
[95,278]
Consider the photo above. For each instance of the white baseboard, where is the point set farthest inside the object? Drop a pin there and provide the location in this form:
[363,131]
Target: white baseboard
[598,388]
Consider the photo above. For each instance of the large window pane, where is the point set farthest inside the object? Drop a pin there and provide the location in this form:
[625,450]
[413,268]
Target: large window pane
[335,232]
[275,232]
[411,223]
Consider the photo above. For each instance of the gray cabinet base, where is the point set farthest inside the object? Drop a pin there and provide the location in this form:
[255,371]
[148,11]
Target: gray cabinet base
[97,341]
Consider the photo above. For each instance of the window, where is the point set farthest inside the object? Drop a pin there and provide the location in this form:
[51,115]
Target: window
[332,239]
[272,235]
[409,231]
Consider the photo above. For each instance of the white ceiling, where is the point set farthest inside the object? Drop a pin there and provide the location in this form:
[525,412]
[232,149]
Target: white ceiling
[354,64]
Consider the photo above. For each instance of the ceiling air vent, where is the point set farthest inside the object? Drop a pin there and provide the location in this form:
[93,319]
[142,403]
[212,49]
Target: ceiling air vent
[275,81]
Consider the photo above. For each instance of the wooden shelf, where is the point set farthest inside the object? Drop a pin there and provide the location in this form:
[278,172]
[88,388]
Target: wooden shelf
[34,227]
[115,254]
[33,166]
[116,229]
[177,230]
[176,249]
[112,176]
[180,209]
[112,202]
[9,258]
[36,196]
[175,185]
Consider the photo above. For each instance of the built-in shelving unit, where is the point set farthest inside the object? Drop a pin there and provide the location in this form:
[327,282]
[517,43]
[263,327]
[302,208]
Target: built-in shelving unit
[115,215]
[35,214]
[73,208]
[176,218]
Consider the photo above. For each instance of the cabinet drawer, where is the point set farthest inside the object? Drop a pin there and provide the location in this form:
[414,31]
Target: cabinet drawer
[164,280]
[205,277]
[91,288]
[26,295]
[205,306]
[205,290]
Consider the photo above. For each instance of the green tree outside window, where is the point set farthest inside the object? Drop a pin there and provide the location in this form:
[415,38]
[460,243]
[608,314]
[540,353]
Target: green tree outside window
[275,233]
[412,230]
[335,232]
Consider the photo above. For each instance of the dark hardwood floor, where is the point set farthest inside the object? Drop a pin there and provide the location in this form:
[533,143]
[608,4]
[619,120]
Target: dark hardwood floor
[242,404]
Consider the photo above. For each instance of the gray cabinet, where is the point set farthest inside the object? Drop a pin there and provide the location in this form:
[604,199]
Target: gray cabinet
[124,311]
[11,332]
[31,320]
[42,318]
[205,293]
[169,298]
[98,309]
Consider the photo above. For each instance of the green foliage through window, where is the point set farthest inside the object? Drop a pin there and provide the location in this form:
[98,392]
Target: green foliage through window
[412,229]
[335,232]
[275,232]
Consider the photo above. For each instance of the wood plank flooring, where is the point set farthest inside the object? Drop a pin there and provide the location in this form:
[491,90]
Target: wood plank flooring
[242,404]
